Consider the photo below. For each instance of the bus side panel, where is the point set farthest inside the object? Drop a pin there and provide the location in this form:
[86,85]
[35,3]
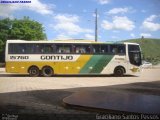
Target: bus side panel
[16,67]
[71,67]
[117,60]
[85,64]
[22,67]
[96,64]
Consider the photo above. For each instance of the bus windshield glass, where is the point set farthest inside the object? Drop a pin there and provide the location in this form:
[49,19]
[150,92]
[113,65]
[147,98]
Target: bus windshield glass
[134,54]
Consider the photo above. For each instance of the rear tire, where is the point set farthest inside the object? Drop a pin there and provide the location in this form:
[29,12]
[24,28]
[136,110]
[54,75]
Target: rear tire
[47,71]
[119,72]
[33,71]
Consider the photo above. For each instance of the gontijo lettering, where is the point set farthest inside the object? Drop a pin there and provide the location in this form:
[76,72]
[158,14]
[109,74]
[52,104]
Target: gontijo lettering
[56,57]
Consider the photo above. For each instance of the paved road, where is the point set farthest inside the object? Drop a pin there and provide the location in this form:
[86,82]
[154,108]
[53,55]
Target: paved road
[21,94]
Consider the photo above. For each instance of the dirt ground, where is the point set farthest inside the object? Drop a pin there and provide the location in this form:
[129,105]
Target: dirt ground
[21,94]
[26,83]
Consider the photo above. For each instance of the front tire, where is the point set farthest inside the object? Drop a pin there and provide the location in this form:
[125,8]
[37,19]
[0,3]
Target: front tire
[47,71]
[33,71]
[119,72]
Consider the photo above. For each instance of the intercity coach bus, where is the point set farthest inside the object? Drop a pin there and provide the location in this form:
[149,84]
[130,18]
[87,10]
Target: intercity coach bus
[72,57]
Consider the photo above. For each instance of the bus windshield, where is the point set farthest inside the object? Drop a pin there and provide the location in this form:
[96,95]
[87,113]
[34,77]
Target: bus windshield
[134,54]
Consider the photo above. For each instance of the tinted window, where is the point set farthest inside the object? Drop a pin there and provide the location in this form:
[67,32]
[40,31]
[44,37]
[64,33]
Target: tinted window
[113,49]
[20,48]
[135,58]
[63,48]
[96,48]
[100,48]
[81,48]
[38,48]
[59,48]
[133,48]
[12,48]
[67,48]
[121,49]
[29,48]
[42,48]
[104,48]
[118,49]
[134,55]
[48,48]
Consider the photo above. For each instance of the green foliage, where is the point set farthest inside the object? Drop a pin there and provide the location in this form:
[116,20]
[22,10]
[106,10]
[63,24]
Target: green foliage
[150,49]
[1,44]
[24,29]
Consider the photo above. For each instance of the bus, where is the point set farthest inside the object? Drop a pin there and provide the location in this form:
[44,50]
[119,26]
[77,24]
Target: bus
[46,58]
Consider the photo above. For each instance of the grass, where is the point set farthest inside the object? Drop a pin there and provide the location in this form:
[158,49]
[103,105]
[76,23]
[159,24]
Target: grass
[150,48]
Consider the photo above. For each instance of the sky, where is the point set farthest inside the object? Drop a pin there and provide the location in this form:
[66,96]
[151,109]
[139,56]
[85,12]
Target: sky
[75,19]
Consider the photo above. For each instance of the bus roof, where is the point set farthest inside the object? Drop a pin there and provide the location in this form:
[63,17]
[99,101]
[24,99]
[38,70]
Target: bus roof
[68,41]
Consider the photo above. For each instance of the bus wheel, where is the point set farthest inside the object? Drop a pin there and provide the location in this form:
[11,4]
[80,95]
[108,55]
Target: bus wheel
[33,71]
[118,71]
[47,71]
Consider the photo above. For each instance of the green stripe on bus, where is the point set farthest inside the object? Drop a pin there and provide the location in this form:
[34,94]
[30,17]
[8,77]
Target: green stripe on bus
[101,64]
[91,63]
[96,64]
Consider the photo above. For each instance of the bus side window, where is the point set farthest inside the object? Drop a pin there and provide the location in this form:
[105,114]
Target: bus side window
[21,48]
[104,48]
[13,48]
[10,48]
[73,48]
[86,48]
[63,48]
[39,48]
[77,48]
[59,48]
[48,48]
[96,48]
[67,48]
[30,48]
[121,49]
[113,49]
[81,48]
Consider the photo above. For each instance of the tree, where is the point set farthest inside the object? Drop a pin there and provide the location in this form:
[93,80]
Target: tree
[4,30]
[24,29]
